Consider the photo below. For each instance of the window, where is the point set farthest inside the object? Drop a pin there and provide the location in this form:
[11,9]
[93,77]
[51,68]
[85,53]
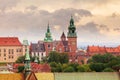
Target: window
[9,57]
[4,50]
[0,50]
[16,50]
[0,54]
[48,45]
[12,57]
[42,54]
[4,54]
[4,58]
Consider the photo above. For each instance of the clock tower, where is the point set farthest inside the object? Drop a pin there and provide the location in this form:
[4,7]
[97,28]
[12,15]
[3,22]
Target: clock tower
[48,41]
[72,39]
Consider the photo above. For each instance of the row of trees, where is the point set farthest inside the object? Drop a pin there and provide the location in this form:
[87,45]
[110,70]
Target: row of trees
[106,62]
[98,63]
[59,62]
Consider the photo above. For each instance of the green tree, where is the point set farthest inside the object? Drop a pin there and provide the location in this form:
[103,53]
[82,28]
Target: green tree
[108,70]
[98,58]
[74,65]
[53,57]
[98,67]
[20,59]
[58,57]
[69,69]
[20,68]
[64,58]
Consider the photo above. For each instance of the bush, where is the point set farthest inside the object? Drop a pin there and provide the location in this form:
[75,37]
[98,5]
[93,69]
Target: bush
[108,70]
[69,69]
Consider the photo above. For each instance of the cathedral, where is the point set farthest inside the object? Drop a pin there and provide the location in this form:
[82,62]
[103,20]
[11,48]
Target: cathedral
[67,43]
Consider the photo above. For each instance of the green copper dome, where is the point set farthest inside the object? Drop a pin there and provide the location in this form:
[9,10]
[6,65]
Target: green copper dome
[25,42]
[72,29]
[48,37]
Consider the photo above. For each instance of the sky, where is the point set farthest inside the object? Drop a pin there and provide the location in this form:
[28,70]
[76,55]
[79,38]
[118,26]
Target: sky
[97,21]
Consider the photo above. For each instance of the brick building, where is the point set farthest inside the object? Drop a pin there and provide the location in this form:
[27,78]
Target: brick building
[66,44]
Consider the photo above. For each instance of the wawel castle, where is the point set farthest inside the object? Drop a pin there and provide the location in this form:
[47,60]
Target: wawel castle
[11,48]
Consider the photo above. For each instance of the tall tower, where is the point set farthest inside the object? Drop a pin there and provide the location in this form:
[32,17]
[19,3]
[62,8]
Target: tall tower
[27,63]
[72,39]
[48,41]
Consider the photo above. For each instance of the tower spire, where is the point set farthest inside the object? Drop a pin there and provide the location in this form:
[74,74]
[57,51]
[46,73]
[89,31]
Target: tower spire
[48,37]
[27,63]
[71,28]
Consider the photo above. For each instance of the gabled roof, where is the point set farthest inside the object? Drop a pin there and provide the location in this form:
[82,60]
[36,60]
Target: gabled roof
[63,35]
[9,41]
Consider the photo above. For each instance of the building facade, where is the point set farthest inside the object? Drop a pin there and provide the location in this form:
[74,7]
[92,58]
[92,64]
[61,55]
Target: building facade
[11,48]
[65,44]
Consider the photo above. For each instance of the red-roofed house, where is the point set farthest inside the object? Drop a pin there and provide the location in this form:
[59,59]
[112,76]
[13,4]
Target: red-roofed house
[10,49]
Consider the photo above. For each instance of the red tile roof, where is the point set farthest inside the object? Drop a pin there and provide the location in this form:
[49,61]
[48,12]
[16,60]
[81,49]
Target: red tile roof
[35,67]
[102,50]
[9,41]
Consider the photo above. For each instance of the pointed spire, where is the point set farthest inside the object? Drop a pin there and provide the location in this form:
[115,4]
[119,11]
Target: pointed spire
[71,20]
[63,35]
[48,28]
[72,29]
[48,37]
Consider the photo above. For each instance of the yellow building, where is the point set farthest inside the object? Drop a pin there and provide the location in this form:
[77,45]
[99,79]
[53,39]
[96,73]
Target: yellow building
[11,48]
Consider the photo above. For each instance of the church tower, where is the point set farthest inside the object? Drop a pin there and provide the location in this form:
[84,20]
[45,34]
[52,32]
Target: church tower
[27,63]
[72,39]
[48,41]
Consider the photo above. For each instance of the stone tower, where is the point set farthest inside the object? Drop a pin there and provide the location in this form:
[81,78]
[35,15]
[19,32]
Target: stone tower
[72,39]
[27,63]
[48,41]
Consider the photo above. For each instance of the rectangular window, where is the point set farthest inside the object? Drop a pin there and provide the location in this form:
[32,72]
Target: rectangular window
[4,58]
[4,54]
[4,50]
[0,54]
[42,54]
[0,50]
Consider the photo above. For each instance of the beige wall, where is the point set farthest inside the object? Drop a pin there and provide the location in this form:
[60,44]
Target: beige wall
[11,54]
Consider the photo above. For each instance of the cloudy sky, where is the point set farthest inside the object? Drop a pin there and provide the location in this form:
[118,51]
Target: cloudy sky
[97,21]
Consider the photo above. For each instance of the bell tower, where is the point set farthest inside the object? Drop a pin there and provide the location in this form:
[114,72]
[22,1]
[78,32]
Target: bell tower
[72,39]
[48,41]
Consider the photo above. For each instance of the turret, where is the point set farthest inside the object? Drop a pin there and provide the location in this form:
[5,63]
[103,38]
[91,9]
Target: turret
[27,63]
